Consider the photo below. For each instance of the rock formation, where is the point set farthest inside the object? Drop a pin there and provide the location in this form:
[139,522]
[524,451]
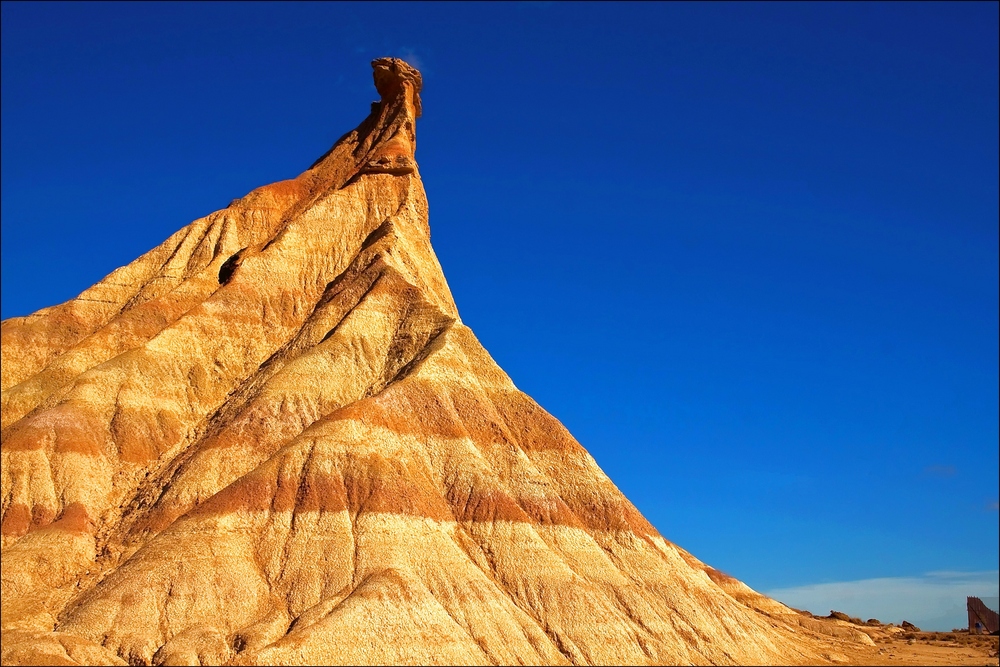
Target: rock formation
[271,440]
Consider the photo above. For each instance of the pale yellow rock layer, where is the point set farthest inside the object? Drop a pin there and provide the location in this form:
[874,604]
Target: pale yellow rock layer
[271,440]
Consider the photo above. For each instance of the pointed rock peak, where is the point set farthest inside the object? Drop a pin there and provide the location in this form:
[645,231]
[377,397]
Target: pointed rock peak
[389,148]
[386,141]
[395,77]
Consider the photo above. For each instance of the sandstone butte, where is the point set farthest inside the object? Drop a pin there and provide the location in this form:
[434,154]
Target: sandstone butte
[271,440]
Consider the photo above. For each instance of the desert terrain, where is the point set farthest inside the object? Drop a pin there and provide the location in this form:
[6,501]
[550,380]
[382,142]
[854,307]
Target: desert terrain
[906,644]
[939,648]
[272,440]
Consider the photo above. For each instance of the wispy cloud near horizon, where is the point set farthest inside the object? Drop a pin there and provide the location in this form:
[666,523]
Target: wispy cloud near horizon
[933,601]
[410,56]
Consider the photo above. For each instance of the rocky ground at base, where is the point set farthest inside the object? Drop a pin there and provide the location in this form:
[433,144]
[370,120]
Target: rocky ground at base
[906,644]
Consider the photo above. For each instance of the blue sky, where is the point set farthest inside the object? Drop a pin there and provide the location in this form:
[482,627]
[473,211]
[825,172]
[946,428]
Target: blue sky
[748,254]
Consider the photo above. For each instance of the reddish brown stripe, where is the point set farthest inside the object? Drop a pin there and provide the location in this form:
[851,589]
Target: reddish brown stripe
[65,428]
[378,484]
[141,435]
[370,484]
[31,343]
[16,520]
[534,428]
[609,513]
[419,408]
[423,413]
[291,189]
[74,519]
[19,519]
[495,505]
[485,505]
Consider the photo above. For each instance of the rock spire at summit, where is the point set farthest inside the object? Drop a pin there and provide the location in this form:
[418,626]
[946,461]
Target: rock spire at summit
[398,110]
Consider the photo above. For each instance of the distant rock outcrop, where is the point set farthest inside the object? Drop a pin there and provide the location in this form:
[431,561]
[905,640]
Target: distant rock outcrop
[271,440]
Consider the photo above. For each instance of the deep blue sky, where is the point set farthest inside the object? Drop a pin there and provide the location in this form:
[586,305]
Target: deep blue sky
[748,254]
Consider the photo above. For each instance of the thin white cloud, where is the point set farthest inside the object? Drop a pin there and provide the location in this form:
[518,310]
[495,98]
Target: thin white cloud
[934,601]
[412,58]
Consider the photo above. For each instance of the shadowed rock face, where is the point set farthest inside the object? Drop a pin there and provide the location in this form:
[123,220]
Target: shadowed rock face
[271,440]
